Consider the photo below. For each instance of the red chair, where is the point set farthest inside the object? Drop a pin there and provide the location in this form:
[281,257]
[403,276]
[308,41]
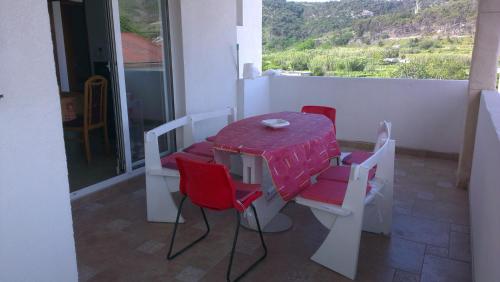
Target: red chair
[326,111]
[209,186]
[322,110]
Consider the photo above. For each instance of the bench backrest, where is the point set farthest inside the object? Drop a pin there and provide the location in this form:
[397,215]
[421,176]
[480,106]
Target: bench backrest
[383,137]
[187,123]
[382,158]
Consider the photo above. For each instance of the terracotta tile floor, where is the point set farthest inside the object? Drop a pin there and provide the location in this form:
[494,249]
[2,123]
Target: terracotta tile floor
[430,238]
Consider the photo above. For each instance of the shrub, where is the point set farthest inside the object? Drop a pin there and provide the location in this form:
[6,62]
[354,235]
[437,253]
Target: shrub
[413,42]
[355,64]
[317,65]
[428,44]
[305,45]
[391,53]
[299,61]
[350,64]
[341,39]
[269,65]
[415,70]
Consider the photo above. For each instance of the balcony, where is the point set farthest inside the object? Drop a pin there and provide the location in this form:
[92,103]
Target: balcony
[439,232]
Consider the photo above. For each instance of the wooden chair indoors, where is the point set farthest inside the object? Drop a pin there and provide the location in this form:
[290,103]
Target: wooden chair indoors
[94,112]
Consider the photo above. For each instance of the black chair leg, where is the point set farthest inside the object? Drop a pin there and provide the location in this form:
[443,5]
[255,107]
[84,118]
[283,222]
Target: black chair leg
[169,255]
[238,223]
[338,160]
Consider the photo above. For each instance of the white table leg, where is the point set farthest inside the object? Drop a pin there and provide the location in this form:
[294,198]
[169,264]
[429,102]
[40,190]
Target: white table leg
[268,206]
[222,157]
[230,160]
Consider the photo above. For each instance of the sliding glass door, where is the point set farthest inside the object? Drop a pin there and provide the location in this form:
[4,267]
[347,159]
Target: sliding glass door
[143,27]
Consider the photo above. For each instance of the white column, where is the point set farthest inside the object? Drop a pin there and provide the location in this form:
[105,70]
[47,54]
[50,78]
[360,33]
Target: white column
[482,77]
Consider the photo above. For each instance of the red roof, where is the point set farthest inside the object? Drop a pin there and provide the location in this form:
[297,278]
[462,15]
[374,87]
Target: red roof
[138,49]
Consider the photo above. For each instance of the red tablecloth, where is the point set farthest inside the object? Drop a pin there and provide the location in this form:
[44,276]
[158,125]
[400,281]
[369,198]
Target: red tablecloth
[293,154]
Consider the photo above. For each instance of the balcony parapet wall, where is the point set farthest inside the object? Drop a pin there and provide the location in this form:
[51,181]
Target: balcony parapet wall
[484,191]
[427,115]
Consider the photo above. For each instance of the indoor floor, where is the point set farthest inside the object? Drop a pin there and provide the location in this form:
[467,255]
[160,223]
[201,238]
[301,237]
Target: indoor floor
[82,173]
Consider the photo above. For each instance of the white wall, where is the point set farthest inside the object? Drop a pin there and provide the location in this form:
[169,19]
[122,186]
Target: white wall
[250,34]
[253,97]
[484,190]
[426,114]
[209,58]
[36,234]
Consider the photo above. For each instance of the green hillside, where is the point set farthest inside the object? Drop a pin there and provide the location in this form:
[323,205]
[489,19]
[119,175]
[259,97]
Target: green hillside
[370,38]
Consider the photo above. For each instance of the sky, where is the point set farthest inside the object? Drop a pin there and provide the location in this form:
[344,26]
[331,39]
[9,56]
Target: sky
[310,0]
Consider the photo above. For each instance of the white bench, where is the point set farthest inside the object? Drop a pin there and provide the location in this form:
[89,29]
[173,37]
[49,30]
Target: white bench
[357,210]
[161,182]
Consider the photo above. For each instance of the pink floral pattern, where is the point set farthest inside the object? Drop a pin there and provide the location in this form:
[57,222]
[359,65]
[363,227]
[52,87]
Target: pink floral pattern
[293,154]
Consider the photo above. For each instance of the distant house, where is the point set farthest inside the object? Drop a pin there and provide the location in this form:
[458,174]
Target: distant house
[140,51]
[366,13]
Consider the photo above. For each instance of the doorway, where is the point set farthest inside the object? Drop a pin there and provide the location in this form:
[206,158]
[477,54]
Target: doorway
[127,43]
[82,53]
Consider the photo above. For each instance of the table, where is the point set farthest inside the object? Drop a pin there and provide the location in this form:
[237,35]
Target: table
[291,155]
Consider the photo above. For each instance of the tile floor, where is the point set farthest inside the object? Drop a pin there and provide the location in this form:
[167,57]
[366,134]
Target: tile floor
[429,242]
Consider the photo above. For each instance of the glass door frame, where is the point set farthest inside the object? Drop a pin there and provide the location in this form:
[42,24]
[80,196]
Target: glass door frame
[120,68]
[120,76]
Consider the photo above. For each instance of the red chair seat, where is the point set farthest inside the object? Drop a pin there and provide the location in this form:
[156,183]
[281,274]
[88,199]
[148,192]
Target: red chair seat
[246,194]
[341,173]
[169,161]
[330,192]
[210,138]
[356,157]
[204,148]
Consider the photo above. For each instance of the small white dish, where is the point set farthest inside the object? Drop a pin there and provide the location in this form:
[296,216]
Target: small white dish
[275,123]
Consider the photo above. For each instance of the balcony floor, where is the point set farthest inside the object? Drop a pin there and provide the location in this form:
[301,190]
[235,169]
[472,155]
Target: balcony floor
[430,238]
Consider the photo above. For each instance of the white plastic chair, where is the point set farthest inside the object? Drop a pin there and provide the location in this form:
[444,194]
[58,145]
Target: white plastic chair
[161,182]
[359,211]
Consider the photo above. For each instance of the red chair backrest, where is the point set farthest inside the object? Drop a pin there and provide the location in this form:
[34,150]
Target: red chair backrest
[321,110]
[208,185]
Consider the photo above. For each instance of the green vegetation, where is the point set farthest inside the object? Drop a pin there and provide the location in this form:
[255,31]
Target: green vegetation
[406,58]
[140,17]
[370,38]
